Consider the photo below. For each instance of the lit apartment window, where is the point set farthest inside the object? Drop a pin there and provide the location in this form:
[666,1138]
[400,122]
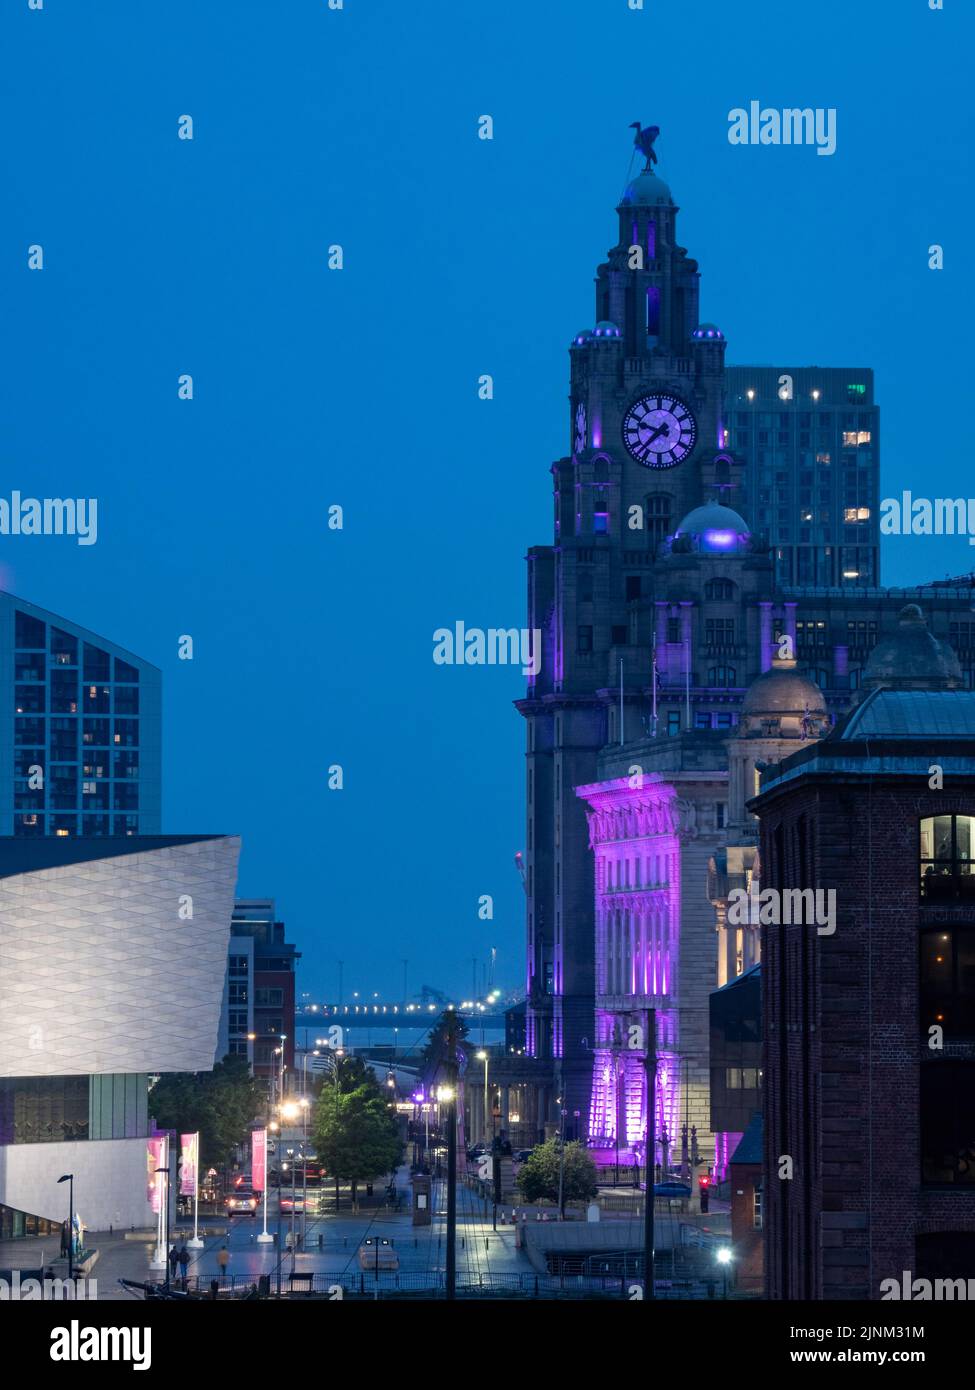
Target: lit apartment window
[856,514]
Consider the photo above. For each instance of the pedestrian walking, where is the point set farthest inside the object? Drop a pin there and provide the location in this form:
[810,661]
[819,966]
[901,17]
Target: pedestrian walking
[184,1261]
[173,1261]
[223,1259]
[65,1239]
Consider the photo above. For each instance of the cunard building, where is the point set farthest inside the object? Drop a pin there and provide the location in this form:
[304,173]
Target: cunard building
[701,514]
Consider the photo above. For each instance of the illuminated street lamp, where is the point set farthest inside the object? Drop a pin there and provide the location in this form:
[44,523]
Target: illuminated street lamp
[724,1256]
[482,1056]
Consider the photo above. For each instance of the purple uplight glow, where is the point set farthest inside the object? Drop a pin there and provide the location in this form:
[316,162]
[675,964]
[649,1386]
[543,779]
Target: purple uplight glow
[634,833]
[718,540]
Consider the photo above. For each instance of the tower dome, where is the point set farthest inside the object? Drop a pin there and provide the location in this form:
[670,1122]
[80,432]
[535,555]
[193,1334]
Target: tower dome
[647,191]
[912,659]
[781,693]
[713,529]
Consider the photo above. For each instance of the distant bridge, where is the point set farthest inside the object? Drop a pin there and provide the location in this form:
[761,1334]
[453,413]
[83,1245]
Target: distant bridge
[379,1015]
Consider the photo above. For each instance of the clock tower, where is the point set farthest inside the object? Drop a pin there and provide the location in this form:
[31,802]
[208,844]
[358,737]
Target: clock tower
[647,444]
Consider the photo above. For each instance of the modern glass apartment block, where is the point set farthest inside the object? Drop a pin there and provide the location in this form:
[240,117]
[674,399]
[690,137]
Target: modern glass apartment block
[80,730]
[808,439]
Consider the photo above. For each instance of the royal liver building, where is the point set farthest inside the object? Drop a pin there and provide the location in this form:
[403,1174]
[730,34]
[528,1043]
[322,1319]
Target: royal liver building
[693,503]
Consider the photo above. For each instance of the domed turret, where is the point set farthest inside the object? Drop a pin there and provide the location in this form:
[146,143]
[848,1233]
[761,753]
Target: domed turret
[912,659]
[708,332]
[647,191]
[780,708]
[781,695]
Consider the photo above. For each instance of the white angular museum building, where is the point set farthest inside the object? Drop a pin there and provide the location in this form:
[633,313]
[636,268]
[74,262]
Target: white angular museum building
[113,957]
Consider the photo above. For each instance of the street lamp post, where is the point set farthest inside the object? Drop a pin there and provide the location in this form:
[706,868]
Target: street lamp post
[482,1056]
[561,1158]
[650,1061]
[69,1179]
[447,1095]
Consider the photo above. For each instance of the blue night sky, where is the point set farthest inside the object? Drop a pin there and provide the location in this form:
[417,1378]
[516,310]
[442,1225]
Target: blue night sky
[359,387]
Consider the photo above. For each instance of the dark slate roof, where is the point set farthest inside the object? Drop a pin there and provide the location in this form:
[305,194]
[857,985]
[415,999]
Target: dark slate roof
[20,854]
[749,1148]
[912,714]
[746,975]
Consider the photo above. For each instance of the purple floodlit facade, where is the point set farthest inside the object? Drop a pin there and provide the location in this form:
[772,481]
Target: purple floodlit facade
[633,829]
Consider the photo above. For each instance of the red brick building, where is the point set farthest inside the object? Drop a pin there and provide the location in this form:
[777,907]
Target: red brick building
[746,1188]
[869,1009]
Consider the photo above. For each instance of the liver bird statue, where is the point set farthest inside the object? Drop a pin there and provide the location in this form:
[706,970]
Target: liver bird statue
[643,140]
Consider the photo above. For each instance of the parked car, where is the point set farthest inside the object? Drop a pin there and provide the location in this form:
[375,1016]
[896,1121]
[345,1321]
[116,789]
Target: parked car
[671,1189]
[523,1155]
[290,1203]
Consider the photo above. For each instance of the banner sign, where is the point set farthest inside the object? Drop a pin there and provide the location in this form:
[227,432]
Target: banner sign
[258,1159]
[189,1157]
[157,1152]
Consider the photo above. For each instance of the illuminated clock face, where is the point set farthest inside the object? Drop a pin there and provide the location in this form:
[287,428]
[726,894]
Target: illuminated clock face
[580,440]
[659,431]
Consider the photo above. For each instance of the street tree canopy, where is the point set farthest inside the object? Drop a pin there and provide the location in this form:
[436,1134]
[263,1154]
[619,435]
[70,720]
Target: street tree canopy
[538,1178]
[356,1136]
[221,1104]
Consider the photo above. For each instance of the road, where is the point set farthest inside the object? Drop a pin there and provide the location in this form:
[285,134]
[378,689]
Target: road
[480,1250]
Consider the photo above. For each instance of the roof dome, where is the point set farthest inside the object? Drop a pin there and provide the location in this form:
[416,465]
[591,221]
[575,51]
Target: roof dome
[582,337]
[706,331]
[713,529]
[912,659]
[605,329]
[646,190]
[782,690]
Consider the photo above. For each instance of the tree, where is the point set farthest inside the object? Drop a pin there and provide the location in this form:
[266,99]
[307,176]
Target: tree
[538,1178]
[356,1136]
[221,1104]
[353,1075]
[434,1059]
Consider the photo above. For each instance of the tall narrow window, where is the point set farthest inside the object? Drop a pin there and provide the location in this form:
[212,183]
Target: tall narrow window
[651,238]
[657,519]
[653,311]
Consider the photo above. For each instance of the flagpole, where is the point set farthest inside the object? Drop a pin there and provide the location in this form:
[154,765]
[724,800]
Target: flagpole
[196,1242]
[653,682]
[621,700]
[687,686]
[264,1238]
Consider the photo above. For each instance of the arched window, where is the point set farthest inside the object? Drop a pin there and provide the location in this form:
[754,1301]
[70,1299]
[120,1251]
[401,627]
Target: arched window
[719,589]
[657,518]
[722,676]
